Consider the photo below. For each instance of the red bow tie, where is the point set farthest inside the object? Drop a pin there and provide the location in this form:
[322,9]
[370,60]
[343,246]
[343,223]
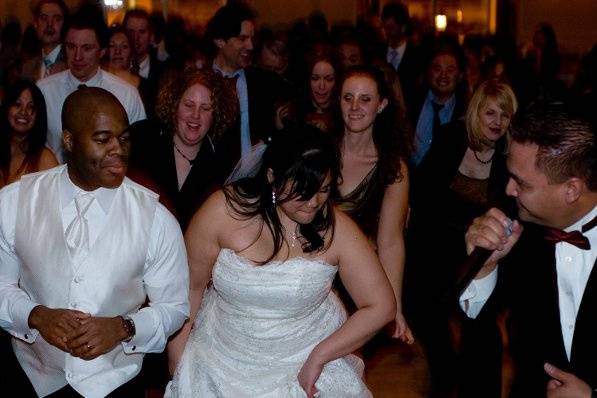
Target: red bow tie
[575,238]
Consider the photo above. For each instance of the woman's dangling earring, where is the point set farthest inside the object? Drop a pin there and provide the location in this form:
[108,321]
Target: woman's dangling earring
[274,198]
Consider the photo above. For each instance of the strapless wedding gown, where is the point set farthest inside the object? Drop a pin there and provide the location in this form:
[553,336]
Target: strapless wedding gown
[257,326]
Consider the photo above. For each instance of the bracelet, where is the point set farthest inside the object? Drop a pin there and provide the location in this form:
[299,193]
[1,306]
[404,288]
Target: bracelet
[129,326]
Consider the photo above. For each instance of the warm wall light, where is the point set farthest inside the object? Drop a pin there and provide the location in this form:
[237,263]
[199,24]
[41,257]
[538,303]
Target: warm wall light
[441,22]
[114,4]
[459,17]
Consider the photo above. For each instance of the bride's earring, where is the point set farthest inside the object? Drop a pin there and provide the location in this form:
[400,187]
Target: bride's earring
[274,198]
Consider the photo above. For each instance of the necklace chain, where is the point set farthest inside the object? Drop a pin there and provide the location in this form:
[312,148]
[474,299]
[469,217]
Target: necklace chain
[484,161]
[191,161]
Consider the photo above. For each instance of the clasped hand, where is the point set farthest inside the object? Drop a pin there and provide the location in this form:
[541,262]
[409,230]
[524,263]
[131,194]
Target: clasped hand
[76,332]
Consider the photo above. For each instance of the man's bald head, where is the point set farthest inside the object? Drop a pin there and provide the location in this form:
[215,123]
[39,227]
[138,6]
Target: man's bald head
[96,138]
[80,106]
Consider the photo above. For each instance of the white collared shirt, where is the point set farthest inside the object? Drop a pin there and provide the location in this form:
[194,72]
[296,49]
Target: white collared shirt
[144,68]
[57,87]
[573,266]
[165,279]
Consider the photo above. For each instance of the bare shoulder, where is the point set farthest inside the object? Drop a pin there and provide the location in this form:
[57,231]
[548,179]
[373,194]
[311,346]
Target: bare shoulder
[346,231]
[47,159]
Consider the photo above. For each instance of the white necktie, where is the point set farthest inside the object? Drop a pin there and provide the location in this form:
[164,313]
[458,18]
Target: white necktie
[77,233]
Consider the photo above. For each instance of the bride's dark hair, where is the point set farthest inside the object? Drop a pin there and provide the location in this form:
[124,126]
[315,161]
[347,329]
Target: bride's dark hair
[300,159]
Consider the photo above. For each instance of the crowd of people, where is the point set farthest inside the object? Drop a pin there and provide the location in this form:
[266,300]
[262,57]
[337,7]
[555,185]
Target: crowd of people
[238,212]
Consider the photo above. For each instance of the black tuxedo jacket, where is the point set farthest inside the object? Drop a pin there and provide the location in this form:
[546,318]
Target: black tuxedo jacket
[527,285]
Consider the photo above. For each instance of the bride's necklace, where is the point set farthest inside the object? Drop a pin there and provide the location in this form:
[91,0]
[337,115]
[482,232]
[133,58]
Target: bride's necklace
[483,161]
[293,238]
[191,161]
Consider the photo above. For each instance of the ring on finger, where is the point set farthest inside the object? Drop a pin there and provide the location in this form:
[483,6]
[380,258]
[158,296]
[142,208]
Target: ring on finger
[89,347]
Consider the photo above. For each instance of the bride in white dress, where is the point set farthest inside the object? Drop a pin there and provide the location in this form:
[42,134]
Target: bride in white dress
[263,254]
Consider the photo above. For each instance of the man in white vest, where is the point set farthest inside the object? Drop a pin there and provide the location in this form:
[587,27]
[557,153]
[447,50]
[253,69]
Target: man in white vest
[82,249]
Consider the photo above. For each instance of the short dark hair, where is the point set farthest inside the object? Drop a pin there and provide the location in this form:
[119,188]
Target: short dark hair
[396,10]
[227,21]
[60,3]
[566,142]
[138,13]
[90,17]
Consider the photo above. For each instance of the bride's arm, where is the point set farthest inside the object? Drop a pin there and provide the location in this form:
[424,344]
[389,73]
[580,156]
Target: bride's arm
[367,284]
[202,243]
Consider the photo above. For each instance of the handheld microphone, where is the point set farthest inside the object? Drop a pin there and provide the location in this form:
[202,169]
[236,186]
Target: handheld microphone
[475,261]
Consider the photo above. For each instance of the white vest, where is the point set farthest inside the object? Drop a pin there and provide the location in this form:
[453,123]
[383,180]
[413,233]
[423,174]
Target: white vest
[107,282]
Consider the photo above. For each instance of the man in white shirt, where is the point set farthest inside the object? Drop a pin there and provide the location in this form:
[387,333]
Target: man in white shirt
[82,250]
[548,280]
[48,20]
[85,45]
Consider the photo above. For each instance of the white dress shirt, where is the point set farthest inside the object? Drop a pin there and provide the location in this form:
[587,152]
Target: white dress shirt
[163,280]
[57,87]
[573,267]
[144,68]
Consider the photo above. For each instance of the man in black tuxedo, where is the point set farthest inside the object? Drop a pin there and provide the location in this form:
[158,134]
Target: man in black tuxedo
[546,275]
[231,32]
[138,26]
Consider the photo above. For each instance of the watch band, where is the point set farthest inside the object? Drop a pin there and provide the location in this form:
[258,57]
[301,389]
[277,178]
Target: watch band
[129,327]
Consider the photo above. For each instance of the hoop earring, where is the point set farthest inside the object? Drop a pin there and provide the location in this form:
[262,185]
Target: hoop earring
[274,198]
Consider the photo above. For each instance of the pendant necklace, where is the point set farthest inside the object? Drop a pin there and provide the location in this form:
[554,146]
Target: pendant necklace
[191,161]
[484,161]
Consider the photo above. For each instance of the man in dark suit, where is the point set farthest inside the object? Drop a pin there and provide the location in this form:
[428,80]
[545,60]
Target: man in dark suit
[48,20]
[231,32]
[138,26]
[441,102]
[548,279]
[405,59]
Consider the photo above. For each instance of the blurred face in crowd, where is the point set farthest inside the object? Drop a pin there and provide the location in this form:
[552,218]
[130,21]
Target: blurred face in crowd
[493,120]
[119,51]
[99,147]
[235,53]
[140,33]
[48,24]
[271,61]
[323,79]
[393,30]
[83,53]
[360,103]
[21,114]
[194,115]
[444,75]
[349,55]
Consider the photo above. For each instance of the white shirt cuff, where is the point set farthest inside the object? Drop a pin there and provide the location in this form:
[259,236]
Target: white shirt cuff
[477,293]
[22,310]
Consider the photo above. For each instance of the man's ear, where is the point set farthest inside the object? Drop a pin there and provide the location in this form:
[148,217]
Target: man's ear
[574,188]
[103,52]
[67,140]
[270,175]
